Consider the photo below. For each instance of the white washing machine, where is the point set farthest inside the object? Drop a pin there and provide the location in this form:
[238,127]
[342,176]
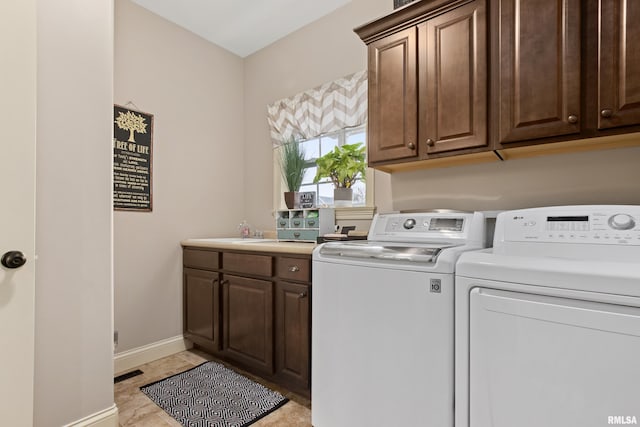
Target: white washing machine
[382,322]
[548,321]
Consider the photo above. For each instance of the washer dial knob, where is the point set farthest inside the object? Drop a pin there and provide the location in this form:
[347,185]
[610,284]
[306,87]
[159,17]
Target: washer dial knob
[409,224]
[622,222]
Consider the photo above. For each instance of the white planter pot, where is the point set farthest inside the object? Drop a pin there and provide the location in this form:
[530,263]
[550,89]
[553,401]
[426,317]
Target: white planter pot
[342,197]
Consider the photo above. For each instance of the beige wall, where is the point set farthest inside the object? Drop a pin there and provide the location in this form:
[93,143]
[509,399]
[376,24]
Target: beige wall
[214,169]
[73,358]
[195,91]
[597,177]
[318,53]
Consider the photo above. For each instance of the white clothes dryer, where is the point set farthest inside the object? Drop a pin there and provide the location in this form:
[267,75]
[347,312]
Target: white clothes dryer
[548,321]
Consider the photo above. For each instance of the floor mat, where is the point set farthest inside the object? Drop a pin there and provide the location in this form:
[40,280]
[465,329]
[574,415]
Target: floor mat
[212,395]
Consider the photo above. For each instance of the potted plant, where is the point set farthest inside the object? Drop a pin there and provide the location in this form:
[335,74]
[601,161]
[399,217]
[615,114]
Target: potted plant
[344,165]
[292,167]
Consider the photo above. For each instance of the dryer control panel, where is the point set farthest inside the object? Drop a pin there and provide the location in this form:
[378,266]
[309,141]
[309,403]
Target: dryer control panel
[599,224]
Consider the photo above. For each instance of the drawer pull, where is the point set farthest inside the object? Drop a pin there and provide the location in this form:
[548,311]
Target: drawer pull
[312,223]
[302,295]
[294,268]
[296,234]
[282,223]
[296,222]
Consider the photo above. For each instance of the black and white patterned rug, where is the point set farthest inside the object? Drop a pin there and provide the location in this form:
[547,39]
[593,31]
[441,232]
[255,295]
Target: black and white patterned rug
[211,395]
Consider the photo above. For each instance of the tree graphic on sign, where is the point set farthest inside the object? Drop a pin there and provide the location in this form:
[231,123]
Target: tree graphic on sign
[131,122]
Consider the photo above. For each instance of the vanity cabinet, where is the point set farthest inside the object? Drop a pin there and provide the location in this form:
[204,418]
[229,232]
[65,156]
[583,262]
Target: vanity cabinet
[427,82]
[247,309]
[201,296]
[293,322]
[252,309]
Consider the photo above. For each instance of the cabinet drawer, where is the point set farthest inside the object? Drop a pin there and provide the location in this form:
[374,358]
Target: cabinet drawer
[197,258]
[282,223]
[261,265]
[312,222]
[303,235]
[294,269]
[296,223]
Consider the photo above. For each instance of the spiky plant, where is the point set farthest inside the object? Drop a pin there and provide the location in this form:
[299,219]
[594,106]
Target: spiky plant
[292,164]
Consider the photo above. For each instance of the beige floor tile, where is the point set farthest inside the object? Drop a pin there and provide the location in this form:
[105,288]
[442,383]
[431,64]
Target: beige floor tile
[136,409]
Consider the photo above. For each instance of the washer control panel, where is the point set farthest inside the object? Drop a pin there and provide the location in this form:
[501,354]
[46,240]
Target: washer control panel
[616,225]
[427,227]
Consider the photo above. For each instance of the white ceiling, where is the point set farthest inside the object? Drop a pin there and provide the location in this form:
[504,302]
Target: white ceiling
[242,26]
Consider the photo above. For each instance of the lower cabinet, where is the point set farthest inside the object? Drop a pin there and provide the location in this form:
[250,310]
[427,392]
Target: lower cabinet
[248,322]
[252,310]
[293,334]
[201,294]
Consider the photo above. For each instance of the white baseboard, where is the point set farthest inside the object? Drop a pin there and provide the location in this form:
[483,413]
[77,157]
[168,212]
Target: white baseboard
[105,418]
[130,359]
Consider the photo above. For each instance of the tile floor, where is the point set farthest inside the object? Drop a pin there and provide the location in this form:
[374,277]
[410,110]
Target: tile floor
[136,409]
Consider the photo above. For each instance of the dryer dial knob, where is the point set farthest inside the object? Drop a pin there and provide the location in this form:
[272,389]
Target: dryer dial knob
[622,222]
[409,224]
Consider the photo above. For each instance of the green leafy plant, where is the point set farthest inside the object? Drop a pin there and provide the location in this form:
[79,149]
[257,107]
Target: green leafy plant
[343,165]
[292,164]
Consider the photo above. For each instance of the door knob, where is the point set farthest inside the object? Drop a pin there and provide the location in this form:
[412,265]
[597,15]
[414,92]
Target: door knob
[13,259]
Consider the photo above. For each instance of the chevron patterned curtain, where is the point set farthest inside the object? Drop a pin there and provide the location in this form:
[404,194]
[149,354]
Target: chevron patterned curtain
[333,106]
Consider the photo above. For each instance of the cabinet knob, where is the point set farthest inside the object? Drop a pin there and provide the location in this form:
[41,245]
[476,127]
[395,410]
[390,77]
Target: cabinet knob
[606,113]
[572,119]
[294,268]
[430,142]
[411,145]
[224,282]
[214,281]
[302,295]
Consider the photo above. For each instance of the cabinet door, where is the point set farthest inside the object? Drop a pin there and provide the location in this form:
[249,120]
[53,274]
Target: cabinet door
[453,94]
[248,322]
[393,98]
[201,296]
[538,56]
[619,64]
[293,333]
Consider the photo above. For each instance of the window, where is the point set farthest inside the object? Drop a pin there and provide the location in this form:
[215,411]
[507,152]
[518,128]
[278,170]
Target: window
[319,146]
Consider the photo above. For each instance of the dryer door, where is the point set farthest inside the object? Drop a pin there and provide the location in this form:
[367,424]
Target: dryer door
[555,362]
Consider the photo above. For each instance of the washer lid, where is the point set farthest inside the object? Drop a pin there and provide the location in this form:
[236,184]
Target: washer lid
[425,254]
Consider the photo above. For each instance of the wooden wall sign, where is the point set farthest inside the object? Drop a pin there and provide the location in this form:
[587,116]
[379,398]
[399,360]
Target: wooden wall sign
[132,159]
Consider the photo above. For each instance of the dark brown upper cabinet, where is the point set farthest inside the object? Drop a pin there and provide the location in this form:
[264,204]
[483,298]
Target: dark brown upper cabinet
[393,107]
[619,63]
[427,81]
[554,71]
[453,80]
[537,68]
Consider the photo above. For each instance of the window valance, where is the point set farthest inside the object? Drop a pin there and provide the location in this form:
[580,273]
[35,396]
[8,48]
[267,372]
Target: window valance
[333,106]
